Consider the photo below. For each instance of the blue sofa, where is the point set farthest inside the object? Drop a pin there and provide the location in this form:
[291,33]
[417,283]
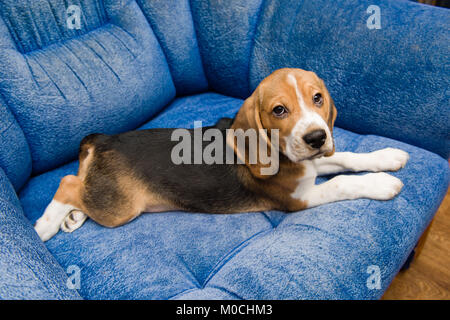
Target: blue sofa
[165,63]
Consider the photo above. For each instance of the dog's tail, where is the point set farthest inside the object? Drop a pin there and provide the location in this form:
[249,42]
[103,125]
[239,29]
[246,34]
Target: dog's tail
[90,141]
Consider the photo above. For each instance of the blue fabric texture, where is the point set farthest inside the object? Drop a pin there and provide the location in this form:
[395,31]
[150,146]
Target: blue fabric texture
[171,20]
[110,78]
[149,64]
[225,31]
[391,81]
[15,157]
[322,252]
[27,269]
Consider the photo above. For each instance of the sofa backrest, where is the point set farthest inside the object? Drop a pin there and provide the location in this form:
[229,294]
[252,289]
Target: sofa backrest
[225,32]
[63,80]
[172,23]
[15,157]
[393,81]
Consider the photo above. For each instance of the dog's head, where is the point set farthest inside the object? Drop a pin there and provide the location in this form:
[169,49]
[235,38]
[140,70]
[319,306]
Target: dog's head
[298,104]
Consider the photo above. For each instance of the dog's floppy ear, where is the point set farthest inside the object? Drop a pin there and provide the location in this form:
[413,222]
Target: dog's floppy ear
[331,119]
[247,118]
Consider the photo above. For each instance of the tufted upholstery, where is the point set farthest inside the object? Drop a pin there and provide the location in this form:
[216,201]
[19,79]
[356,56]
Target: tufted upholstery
[68,84]
[145,64]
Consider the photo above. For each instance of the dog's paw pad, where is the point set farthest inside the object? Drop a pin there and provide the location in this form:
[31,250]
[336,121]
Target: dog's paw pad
[73,221]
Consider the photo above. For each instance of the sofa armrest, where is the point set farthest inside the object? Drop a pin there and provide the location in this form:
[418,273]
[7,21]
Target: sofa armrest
[27,269]
[389,80]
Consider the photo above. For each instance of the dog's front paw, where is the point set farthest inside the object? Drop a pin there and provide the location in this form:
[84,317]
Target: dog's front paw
[389,159]
[382,186]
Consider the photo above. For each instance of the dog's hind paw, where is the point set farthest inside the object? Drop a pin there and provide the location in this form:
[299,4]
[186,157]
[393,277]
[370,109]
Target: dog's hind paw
[73,221]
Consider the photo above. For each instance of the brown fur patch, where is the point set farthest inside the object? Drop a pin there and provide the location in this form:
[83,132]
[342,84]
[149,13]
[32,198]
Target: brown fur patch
[275,191]
[69,191]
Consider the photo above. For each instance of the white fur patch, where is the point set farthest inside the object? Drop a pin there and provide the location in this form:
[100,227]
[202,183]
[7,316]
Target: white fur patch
[378,186]
[48,225]
[388,159]
[296,148]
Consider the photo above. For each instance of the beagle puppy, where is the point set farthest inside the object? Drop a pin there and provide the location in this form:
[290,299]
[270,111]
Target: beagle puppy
[121,176]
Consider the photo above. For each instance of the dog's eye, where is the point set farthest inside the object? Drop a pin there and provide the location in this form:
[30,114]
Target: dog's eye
[279,111]
[318,99]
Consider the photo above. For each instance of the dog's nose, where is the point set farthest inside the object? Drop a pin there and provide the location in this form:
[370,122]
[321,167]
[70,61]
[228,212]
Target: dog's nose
[315,138]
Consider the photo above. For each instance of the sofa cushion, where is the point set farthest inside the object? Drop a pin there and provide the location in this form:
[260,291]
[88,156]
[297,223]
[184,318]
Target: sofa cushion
[109,76]
[15,157]
[27,269]
[324,252]
[225,31]
[391,81]
[171,21]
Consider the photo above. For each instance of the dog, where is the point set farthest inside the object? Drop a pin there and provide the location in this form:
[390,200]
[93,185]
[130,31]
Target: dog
[121,176]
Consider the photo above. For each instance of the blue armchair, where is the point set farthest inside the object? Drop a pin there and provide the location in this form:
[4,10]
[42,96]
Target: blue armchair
[128,65]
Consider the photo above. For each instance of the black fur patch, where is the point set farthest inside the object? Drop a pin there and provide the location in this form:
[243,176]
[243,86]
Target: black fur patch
[215,188]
